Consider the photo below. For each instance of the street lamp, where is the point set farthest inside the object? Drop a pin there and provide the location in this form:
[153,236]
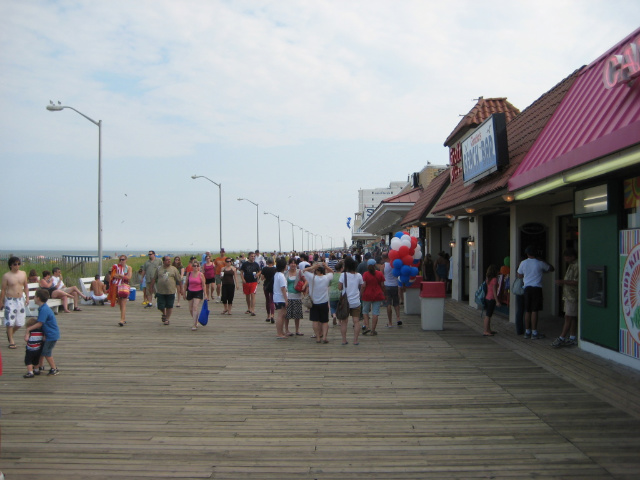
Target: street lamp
[56,108]
[278,217]
[321,245]
[219,185]
[257,221]
[331,241]
[301,238]
[293,242]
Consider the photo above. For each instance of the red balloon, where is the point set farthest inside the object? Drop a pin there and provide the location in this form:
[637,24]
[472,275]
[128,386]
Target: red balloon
[408,260]
[405,233]
[403,251]
[412,251]
[414,242]
[393,254]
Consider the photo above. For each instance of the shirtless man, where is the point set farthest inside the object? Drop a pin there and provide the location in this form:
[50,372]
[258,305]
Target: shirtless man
[73,291]
[14,285]
[97,291]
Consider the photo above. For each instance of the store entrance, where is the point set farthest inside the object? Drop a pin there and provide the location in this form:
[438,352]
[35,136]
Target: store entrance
[568,238]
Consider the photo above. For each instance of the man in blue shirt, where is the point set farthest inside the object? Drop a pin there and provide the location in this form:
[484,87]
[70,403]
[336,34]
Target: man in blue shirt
[47,322]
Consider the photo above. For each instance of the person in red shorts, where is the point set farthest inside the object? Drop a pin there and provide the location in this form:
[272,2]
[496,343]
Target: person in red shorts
[250,271]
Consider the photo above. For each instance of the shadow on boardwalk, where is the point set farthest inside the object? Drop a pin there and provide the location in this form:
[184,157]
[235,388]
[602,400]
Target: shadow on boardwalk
[230,401]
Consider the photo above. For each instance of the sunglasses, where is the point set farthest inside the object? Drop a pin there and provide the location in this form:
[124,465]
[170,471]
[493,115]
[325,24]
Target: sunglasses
[227,261]
[123,259]
[17,263]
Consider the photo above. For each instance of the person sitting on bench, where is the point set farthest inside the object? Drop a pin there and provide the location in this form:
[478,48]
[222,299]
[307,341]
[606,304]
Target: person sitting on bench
[73,291]
[97,291]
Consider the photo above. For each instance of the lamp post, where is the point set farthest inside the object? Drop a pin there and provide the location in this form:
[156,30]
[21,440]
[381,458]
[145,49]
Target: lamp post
[257,221]
[301,238]
[56,108]
[293,242]
[279,242]
[219,185]
[331,241]
[321,245]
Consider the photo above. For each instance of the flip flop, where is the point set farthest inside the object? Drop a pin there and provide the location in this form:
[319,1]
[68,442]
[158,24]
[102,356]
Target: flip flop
[77,309]
[12,346]
[289,334]
[121,324]
[299,334]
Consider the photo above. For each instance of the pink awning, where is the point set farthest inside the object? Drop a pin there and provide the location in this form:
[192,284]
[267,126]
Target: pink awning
[591,122]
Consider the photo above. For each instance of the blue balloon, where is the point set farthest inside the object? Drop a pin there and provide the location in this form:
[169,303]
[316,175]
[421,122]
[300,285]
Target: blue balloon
[414,271]
[404,278]
[406,270]
[398,234]
[400,283]
[397,263]
[416,261]
[396,272]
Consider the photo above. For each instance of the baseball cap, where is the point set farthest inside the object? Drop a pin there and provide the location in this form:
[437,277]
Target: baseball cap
[193,258]
[371,261]
[367,255]
[222,250]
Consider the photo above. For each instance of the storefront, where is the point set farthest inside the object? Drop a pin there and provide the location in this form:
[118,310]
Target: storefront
[587,159]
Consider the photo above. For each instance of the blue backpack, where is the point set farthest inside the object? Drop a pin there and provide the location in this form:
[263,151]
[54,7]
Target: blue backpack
[481,296]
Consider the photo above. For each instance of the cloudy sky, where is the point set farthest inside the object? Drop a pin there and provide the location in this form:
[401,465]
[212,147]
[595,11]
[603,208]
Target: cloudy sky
[294,105]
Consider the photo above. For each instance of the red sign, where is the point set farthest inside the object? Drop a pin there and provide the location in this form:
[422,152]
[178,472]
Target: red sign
[622,67]
[455,160]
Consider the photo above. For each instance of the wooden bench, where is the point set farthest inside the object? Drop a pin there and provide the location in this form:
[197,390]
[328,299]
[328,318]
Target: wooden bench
[85,288]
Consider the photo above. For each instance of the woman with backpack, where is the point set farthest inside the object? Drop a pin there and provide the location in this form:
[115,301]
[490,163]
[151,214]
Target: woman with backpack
[491,298]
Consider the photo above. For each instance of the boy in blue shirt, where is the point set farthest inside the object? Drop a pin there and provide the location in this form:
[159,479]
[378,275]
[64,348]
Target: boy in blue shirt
[47,322]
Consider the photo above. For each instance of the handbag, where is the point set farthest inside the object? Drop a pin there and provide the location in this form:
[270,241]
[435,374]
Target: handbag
[299,286]
[307,301]
[123,290]
[518,286]
[203,318]
[342,311]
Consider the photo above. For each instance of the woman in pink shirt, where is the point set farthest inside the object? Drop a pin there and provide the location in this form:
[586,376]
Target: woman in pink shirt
[491,299]
[195,292]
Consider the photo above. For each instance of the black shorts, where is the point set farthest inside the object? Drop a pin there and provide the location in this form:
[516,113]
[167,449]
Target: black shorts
[319,312]
[280,305]
[32,357]
[165,300]
[532,299]
[197,294]
[391,296]
[209,281]
[489,307]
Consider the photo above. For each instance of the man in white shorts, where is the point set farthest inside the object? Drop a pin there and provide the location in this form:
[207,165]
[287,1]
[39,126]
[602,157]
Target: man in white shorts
[14,286]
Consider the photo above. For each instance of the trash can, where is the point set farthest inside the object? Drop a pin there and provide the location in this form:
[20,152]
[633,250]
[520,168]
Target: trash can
[432,304]
[412,298]
[132,293]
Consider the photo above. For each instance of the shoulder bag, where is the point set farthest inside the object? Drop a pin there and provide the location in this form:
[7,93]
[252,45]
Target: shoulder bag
[307,301]
[342,311]
[517,288]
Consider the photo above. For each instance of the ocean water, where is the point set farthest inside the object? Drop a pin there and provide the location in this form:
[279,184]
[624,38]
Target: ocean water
[4,254]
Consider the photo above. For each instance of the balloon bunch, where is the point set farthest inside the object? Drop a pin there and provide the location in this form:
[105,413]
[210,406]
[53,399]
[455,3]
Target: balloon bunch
[405,253]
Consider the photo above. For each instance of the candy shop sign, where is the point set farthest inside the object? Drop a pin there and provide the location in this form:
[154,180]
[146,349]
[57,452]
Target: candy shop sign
[623,67]
[630,293]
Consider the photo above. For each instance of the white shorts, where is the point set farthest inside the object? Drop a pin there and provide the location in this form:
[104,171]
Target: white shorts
[98,298]
[15,312]
[570,308]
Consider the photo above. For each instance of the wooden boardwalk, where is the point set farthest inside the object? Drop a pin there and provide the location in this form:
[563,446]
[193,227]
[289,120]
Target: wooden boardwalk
[231,402]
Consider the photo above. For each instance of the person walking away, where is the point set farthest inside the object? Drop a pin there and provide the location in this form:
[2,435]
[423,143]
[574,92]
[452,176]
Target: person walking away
[120,274]
[570,297]
[149,268]
[250,271]
[294,305]
[353,281]
[47,322]
[267,274]
[491,299]
[319,278]
[372,296]
[166,281]
[391,297]
[229,286]
[14,290]
[334,291]
[279,296]
[531,270]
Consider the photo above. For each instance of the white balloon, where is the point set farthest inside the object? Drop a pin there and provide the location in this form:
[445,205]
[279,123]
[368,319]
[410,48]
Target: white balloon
[406,238]
[395,243]
[418,254]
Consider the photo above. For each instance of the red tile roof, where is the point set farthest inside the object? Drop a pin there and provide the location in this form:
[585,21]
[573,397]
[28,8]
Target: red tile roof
[479,113]
[522,132]
[427,198]
[591,122]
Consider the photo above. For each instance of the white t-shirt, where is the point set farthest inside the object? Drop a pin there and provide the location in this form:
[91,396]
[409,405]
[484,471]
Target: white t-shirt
[304,264]
[354,281]
[279,281]
[532,269]
[319,286]
[389,279]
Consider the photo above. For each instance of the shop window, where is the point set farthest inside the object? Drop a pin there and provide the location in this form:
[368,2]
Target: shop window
[591,200]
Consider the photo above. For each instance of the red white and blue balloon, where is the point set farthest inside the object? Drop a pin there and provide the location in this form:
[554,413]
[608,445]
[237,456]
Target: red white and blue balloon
[404,255]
